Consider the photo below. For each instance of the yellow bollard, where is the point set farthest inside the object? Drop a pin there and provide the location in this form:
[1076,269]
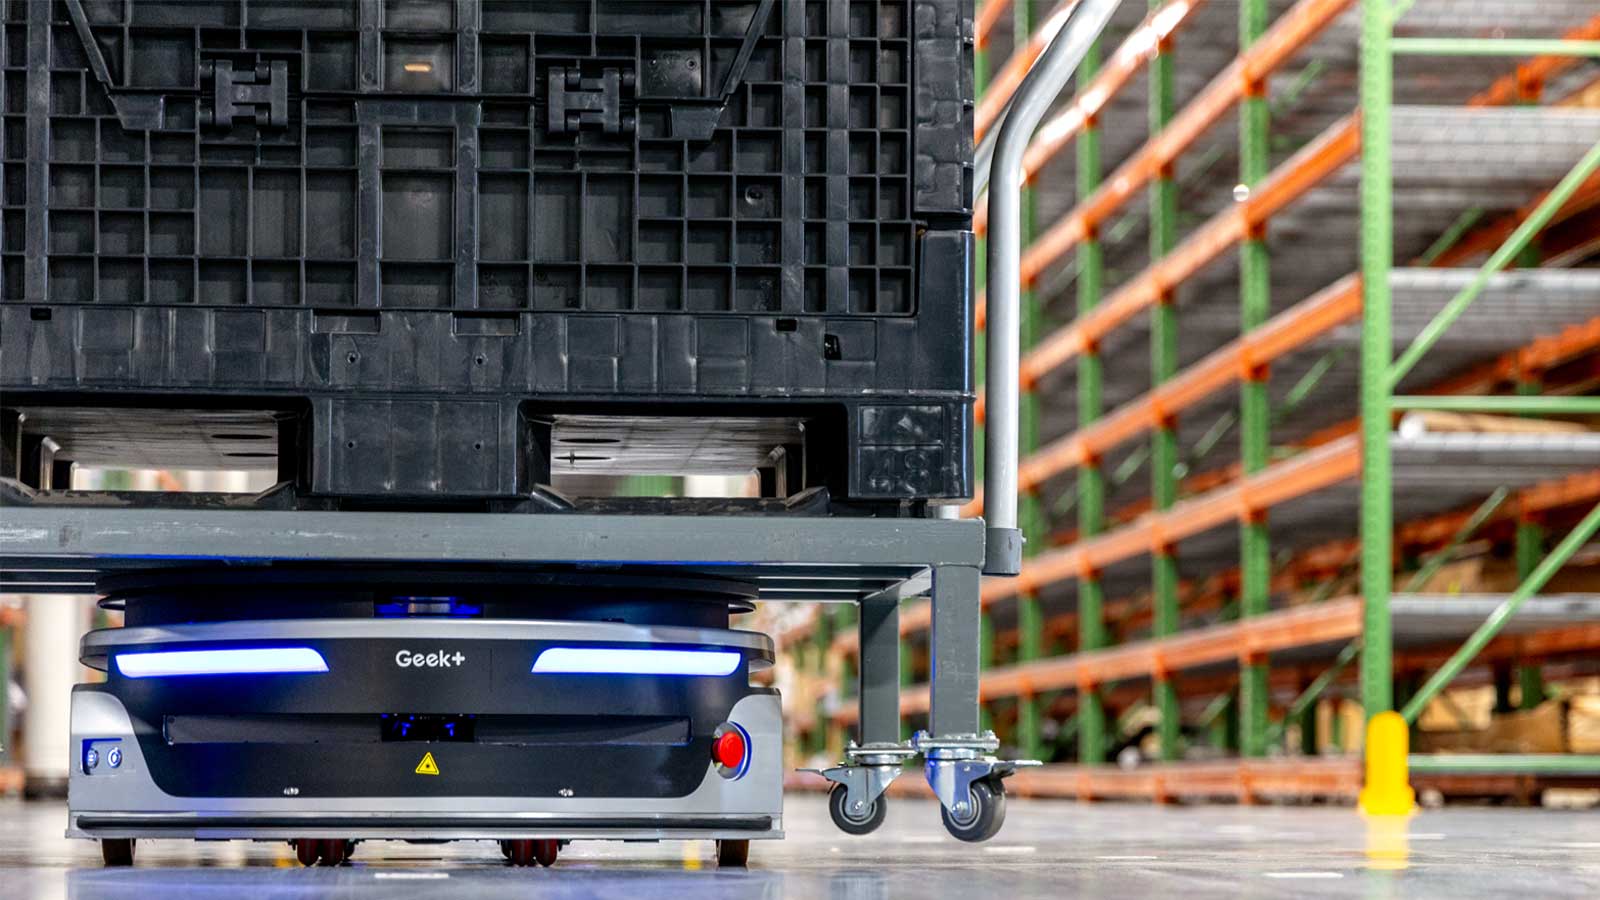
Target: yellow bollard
[1387,791]
[1388,843]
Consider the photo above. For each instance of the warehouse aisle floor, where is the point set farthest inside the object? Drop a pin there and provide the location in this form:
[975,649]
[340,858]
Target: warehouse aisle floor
[1048,850]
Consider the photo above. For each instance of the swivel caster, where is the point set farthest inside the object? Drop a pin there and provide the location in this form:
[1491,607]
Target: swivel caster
[984,814]
[855,821]
[523,853]
[117,851]
[733,854]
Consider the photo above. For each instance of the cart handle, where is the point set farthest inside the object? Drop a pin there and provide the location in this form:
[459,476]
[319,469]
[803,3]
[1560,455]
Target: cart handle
[1034,97]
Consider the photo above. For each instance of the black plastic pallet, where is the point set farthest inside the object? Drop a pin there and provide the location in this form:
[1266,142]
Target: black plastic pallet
[424,231]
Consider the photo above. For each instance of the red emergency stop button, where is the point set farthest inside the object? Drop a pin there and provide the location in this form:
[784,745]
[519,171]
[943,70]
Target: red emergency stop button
[729,749]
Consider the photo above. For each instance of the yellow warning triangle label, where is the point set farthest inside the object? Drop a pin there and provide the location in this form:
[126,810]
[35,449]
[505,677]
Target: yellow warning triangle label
[427,766]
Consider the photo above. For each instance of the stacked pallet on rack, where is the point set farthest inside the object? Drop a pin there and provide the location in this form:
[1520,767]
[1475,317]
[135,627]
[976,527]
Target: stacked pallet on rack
[1196,594]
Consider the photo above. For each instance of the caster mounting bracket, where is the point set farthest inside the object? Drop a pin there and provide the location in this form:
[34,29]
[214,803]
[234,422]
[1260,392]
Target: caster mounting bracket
[867,771]
[952,763]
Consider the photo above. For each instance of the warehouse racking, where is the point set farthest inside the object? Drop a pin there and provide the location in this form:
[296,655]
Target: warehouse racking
[1221,373]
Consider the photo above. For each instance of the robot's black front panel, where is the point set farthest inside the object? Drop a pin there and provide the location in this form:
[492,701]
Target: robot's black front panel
[363,728]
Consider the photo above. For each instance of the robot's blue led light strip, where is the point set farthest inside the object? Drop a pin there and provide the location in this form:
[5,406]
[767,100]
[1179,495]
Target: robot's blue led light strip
[553,660]
[240,661]
[622,661]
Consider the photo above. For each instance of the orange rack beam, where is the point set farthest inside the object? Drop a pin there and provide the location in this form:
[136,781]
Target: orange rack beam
[1285,333]
[1536,71]
[1278,630]
[1293,179]
[1249,780]
[1337,777]
[1256,637]
[988,16]
[1430,531]
[1005,82]
[1292,31]
[1311,471]
[1140,46]
[1245,780]
[11,780]
[1535,646]
[1242,780]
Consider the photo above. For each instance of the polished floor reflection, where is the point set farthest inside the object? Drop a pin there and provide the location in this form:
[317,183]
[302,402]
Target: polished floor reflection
[1048,850]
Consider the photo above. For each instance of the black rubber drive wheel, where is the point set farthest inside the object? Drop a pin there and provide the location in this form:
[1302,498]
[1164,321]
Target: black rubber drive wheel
[307,851]
[863,822]
[733,854]
[986,812]
[505,849]
[545,852]
[117,851]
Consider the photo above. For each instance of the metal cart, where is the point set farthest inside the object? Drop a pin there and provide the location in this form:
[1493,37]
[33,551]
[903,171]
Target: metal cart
[875,563]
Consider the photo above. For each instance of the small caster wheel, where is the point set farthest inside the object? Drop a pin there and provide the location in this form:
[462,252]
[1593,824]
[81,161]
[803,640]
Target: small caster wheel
[733,854]
[335,851]
[306,851]
[117,851]
[985,813]
[863,821]
[545,852]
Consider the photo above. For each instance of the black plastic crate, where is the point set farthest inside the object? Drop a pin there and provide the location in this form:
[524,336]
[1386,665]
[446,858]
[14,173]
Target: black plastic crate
[431,232]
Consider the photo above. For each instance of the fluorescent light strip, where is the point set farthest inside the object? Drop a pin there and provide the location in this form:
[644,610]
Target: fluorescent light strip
[251,661]
[619,661]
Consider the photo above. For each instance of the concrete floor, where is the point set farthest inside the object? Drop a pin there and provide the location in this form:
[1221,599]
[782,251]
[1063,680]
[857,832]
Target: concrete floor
[1048,850]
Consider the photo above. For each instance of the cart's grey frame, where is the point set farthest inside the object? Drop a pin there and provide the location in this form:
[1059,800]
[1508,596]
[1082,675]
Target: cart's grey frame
[873,562]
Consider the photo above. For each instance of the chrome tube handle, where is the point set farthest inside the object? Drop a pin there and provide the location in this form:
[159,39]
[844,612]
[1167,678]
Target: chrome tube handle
[1050,75]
